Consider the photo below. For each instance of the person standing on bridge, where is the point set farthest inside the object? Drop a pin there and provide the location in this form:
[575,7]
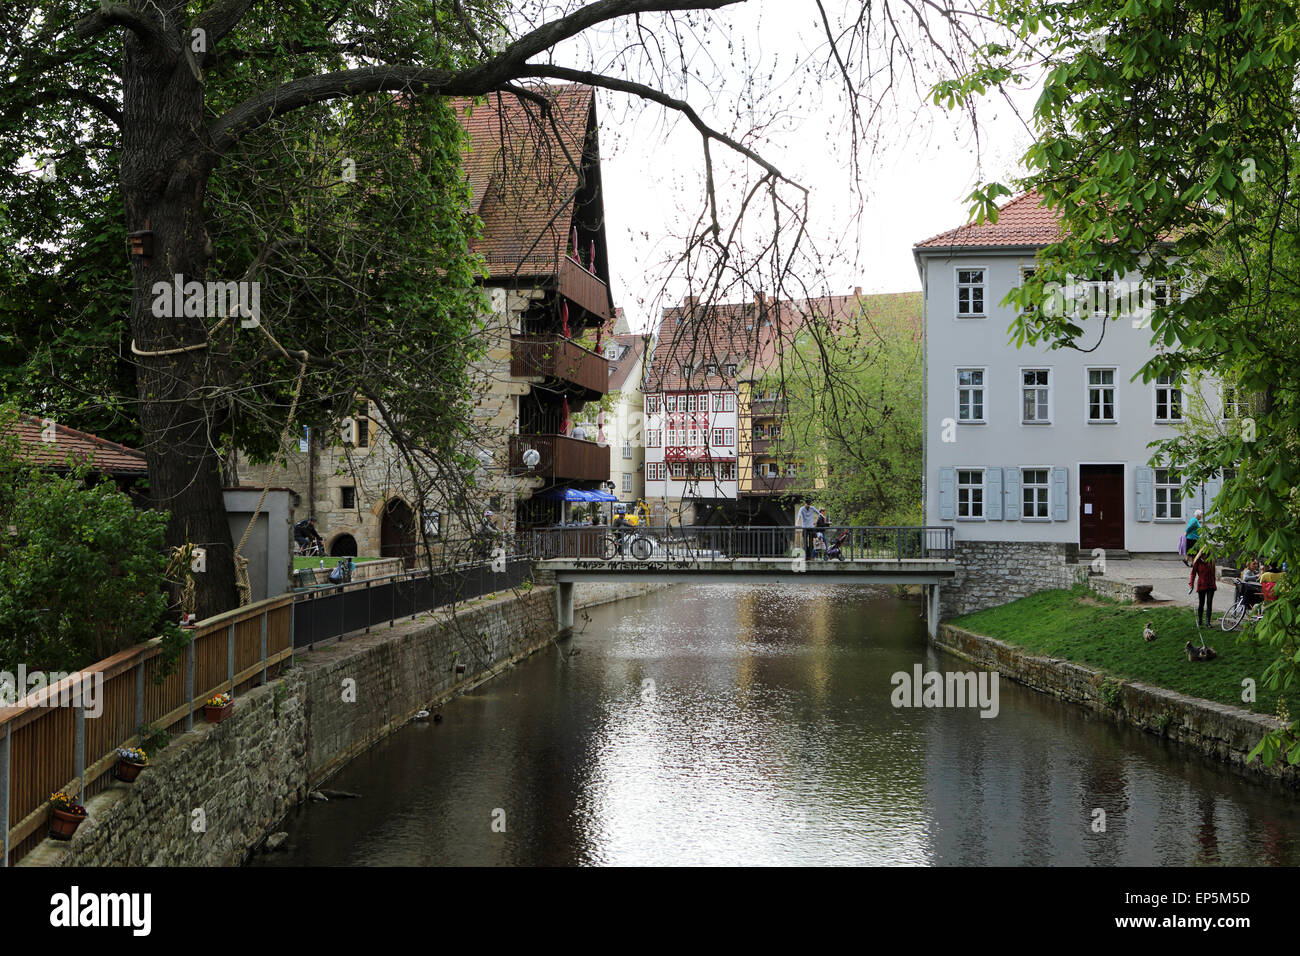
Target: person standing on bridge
[807,521]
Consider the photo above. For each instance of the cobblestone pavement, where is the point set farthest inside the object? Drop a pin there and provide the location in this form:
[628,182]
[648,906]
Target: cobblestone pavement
[1168,580]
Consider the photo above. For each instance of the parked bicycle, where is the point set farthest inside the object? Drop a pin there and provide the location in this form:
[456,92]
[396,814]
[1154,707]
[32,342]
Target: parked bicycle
[1249,601]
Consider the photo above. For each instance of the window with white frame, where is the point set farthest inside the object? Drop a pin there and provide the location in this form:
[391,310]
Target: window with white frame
[627,451]
[1235,403]
[717,401]
[690,402]
[679,469]
[774,431]
[694,437]
[792,469]
[970,293]
[652,437]
[711,369]
[729,401]
[731,371]
[726,470]
[654,471]
[1101,395]
[670,403]
[728,436]
[718,437]
[1169,399]
[1035,392]
[1169,494]
[627,482]
[970,394]
[652,404]
[1035,493]
[768,469]
[970,493]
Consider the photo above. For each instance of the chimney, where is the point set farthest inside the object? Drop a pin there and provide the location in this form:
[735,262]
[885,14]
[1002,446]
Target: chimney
[689,302]
[759,298]
[857,291]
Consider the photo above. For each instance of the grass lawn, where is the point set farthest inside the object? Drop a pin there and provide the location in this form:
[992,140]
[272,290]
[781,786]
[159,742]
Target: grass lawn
[1087,628]
[300,563]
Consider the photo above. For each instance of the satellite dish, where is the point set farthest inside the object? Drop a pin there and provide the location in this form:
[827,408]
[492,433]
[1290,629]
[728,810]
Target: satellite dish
[531,458]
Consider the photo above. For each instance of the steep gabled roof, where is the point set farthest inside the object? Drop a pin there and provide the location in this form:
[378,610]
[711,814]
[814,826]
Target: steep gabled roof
[1022,221]
[105,457]
[633,348]
[524,171]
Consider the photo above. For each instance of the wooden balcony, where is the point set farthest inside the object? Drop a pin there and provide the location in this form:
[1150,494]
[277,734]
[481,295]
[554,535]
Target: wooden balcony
[553,356]
[584,289]
[759,485]
[767,407]
[562,458]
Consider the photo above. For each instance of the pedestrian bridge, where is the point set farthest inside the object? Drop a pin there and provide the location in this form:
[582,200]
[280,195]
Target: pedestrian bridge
[743,555]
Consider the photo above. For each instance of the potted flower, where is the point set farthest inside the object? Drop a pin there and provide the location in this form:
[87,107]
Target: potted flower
[66,815]
[218,708]
[130,761]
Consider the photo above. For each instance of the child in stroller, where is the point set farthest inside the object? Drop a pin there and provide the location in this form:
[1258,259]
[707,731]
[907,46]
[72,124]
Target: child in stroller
[832,551]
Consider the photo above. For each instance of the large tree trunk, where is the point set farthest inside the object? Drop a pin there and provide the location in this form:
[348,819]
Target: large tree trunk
[164,177]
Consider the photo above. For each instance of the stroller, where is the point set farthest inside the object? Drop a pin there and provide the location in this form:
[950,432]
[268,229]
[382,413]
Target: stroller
[833,549]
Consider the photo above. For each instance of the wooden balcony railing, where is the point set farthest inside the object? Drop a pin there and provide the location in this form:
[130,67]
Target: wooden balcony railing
[553,356]
[583,289]
[760,485]
[562,458]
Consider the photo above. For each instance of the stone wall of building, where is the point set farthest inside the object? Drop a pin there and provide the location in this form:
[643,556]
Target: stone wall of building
[990,573]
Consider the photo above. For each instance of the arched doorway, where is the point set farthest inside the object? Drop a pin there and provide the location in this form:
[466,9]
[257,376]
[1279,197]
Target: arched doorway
[343,546]
[397,532]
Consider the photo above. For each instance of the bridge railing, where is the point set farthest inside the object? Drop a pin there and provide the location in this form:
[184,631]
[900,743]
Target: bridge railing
[720,543]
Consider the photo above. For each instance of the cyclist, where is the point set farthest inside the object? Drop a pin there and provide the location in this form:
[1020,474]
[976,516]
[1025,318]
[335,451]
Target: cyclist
[305,534]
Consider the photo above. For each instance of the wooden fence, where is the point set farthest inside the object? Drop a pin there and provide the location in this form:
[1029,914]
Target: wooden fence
[49,742]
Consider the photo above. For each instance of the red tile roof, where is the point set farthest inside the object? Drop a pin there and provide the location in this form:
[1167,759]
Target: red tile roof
[753,335]
[620,369]
[523,171]
[1023,221]
[105,457]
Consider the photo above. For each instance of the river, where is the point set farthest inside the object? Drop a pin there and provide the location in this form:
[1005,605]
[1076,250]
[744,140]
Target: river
[718,724]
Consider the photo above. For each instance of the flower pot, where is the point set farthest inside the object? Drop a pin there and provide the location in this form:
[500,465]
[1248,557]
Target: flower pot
[216,715]
[127,770]
[63,824]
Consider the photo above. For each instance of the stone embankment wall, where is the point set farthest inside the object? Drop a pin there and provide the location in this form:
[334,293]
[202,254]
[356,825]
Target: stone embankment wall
[990,573]
[213,794]
[1224,733]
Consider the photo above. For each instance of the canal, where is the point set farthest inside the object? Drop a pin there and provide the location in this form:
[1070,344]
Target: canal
[717,724]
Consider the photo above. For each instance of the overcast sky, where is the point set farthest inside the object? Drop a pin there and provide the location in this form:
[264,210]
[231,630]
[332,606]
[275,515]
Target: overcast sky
[915,181]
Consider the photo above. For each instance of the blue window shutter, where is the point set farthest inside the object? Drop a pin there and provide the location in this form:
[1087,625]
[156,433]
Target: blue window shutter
[1212,489]
[947,494]
[1060,494]
[993,494]
[1146,478]
[1011,494]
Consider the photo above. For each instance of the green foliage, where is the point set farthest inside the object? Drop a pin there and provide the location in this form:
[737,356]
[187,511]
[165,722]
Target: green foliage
[81,569]
[853,392]
[1166,141]
[152,739]
[1111,692]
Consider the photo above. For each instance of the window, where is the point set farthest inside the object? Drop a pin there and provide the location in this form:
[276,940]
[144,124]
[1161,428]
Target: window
[1034,490]
[774,431]
[792,469]
[627,482]
[711,369]
[1027,273]
[1035,393]
[717,401]
[970,394]
[768,469]
[1169,400]
[690,402]
[1101,394]
[652,404]
[718,437]
[679,469]
[728,436]
[654,471]
[970,493]
[611,352]
[348,494]
[627,451]
[693,437]
[758,431]
[731,371]
[653,437]
[726,470]
[970,293]
[729,401]
[670,403]
[360,426]
[1169,494]
[1235,403]
[759,394]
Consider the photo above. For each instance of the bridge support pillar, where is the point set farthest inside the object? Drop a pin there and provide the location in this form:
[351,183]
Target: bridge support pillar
[932,611]
[564,605]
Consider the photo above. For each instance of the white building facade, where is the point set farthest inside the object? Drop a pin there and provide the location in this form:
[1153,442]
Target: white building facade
[1032,444]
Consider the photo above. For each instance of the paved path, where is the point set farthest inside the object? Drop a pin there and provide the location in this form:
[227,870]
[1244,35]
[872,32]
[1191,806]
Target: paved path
[1167,577]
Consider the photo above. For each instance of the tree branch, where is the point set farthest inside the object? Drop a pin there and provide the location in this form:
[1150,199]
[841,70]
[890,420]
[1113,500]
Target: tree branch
[105,108]
[120,15]
[221,19]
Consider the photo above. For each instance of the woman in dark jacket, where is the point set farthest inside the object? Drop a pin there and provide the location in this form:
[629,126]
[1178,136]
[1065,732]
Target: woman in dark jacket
[1203,580]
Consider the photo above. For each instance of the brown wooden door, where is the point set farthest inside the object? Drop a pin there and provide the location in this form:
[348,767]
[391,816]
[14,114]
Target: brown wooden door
[397,532]
[1101,507]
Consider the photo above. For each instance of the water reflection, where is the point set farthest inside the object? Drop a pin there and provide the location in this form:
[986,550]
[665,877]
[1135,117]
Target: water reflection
[714,724]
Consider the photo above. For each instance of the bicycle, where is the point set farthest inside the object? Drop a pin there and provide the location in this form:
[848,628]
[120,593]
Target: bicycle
[633,541]
[315,549]
[1234,615]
